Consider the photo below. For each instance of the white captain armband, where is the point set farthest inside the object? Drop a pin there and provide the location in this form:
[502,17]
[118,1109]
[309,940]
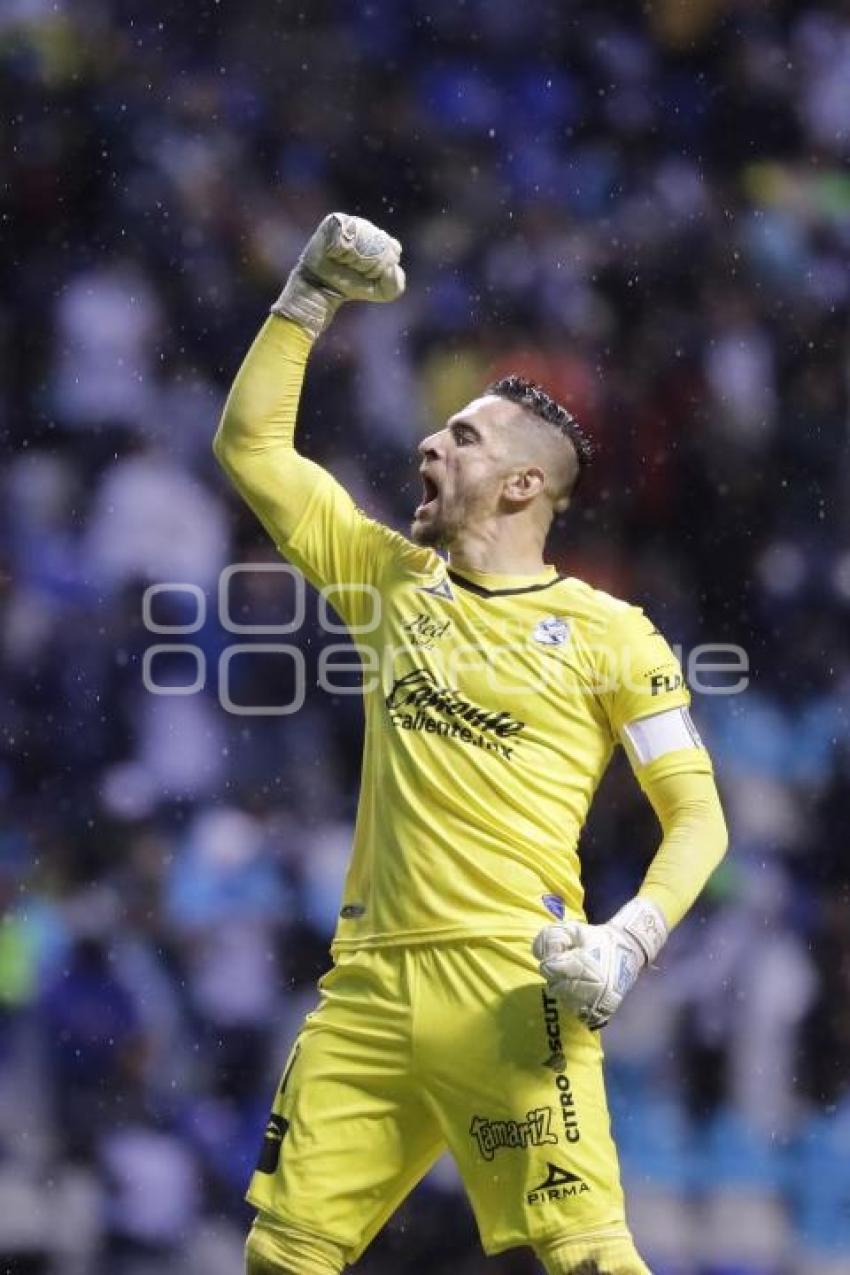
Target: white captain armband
[651,737]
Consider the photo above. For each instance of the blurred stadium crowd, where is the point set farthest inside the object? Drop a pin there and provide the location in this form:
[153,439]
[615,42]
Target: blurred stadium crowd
[649,212]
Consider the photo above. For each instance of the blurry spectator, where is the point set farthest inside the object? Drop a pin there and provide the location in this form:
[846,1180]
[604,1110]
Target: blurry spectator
[94,1047]
[151,521]
[225,900]
[153,1198]
[108,320]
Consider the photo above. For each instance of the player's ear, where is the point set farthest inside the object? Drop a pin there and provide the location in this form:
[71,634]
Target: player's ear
[523,485]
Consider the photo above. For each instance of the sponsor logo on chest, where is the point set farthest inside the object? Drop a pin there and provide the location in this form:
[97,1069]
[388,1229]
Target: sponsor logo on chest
[423,630]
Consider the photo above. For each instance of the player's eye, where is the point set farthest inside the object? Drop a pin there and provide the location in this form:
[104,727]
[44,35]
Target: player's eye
[463,435]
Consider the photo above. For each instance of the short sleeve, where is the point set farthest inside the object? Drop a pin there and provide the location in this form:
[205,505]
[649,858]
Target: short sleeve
[641,681]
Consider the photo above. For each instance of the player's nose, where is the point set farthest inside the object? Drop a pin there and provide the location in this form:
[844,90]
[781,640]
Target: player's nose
[430,447]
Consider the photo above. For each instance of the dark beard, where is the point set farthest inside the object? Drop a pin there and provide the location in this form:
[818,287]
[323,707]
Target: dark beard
[429,535]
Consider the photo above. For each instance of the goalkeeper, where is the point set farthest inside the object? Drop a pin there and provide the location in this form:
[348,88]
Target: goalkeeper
[466,990]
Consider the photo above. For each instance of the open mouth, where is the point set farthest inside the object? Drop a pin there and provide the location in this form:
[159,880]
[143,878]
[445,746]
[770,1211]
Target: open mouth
[430,495]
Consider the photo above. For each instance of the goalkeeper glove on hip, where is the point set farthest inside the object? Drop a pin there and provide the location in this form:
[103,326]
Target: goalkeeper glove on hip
[590,968]
[345,259]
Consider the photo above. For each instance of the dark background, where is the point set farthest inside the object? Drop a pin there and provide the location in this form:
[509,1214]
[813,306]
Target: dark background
[647,209]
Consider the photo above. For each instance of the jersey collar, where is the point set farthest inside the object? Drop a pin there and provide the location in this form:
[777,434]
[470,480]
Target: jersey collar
[490,584]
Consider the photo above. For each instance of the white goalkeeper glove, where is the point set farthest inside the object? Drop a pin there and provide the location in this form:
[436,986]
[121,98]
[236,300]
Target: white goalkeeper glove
[345,259]
[589,968]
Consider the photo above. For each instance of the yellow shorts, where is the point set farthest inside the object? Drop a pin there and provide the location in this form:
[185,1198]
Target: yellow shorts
[413,1050]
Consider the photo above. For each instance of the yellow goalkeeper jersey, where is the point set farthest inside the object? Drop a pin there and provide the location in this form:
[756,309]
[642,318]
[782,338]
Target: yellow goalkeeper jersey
[493,704]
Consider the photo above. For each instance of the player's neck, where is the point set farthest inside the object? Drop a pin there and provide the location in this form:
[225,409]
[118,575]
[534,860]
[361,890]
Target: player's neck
[503,548]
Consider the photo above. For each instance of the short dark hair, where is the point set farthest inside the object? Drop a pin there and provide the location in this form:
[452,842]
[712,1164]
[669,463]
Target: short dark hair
[516,389]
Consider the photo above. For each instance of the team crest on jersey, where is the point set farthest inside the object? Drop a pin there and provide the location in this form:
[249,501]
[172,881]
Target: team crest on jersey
[551,631]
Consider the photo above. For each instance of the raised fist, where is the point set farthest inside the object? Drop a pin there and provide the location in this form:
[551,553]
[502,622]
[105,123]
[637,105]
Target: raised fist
[345,259]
